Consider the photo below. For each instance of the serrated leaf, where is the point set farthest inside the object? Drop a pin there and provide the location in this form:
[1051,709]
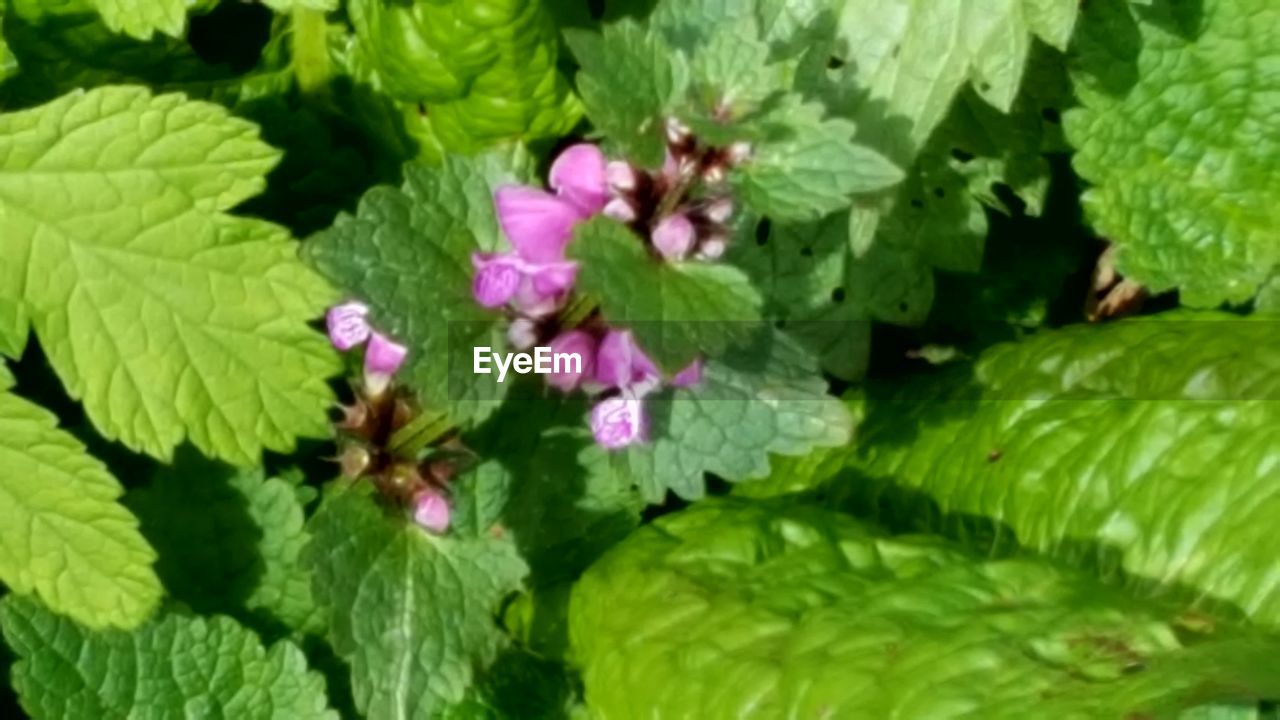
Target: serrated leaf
[676,310]
[1173,141]
[630,77]
[168,317]
[174,666]
[738,609]
[407,252]
[812,170]
[63,535]
[229,541]
[13,328]
[826,296]
[410,612]
[763,397]
[143,18]
[1145,449]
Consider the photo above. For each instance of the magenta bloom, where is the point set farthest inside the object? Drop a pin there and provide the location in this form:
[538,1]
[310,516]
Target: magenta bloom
[574,342]
[534,289]
[690,376]
[619,421]
[498,277]
[621,363]
[348,325]
[382,359]
[431,511]
[674,237]
[540,224]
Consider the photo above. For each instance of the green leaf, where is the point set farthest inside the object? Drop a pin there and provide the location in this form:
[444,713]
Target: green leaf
[1144,449]
[8,63]
[229,541]
[284,6]
[629,79]
[763,397]
[410,612]
[738,609]
[174,666]
[676,310]
[910,58]
[812,170]
[407,252]
[143,18]
[13,328]
[168,317]
[63,535]
[827,296]
[1170,136]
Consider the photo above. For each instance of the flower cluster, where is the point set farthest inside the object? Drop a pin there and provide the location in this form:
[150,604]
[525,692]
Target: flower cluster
[377,413]
[533,281]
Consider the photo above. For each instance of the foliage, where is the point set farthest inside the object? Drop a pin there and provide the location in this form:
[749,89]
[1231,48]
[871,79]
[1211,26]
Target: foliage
[860,429]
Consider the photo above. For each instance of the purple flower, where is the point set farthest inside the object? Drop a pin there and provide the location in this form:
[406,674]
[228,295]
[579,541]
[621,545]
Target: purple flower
[690,376]
[621,363]
[382,359]
[574,342]
[674,237]
[618,422]
[497,280]
[431,511]
[620,176]
[540,224]
[348,325]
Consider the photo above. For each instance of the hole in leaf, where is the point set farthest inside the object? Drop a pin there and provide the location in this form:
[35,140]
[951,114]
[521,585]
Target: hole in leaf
[762,232]
[939,192]
[1051,115]
[834,63]
[780,324]
[984,86]
[897,50]
[961,155]
[902,307]
[806,252]
[917,203]
[837,295]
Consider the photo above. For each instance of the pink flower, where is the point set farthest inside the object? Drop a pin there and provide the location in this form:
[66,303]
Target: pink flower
[690,376]
[619,421]
[431,511]
[574,342]
[621,363]
[540,224]
[535,289]
[382,359]
[674,237]
[348,325]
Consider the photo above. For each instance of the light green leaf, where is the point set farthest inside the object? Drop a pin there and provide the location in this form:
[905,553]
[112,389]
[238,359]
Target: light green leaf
[284,6]
[1172,137]
[174,666]
[63,535]
[629,79]
[745,609]
[763,397]
[812,170]
[410,612]
[143,18]
[676,310]
[168,317]
[1145,449]
[229,541]
[13,328]
[407,252]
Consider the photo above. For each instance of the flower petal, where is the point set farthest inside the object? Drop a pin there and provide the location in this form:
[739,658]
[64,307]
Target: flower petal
[538,224]
[619,421]
[431,511]
[674,237]
[574,342]
[497,279]
[621,363]
[690,376]
[348,325]
[382,359]
[578,176]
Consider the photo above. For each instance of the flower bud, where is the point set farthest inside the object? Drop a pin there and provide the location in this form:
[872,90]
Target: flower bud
[690,376]
[712,248]
[619,421]
[497,279]
[431,511]
[522,334]
[620,209]
[620,176]
[382,359]
[348,325]
[720,210]
[354,461]
[739,152]
[674,237]
[677,132]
